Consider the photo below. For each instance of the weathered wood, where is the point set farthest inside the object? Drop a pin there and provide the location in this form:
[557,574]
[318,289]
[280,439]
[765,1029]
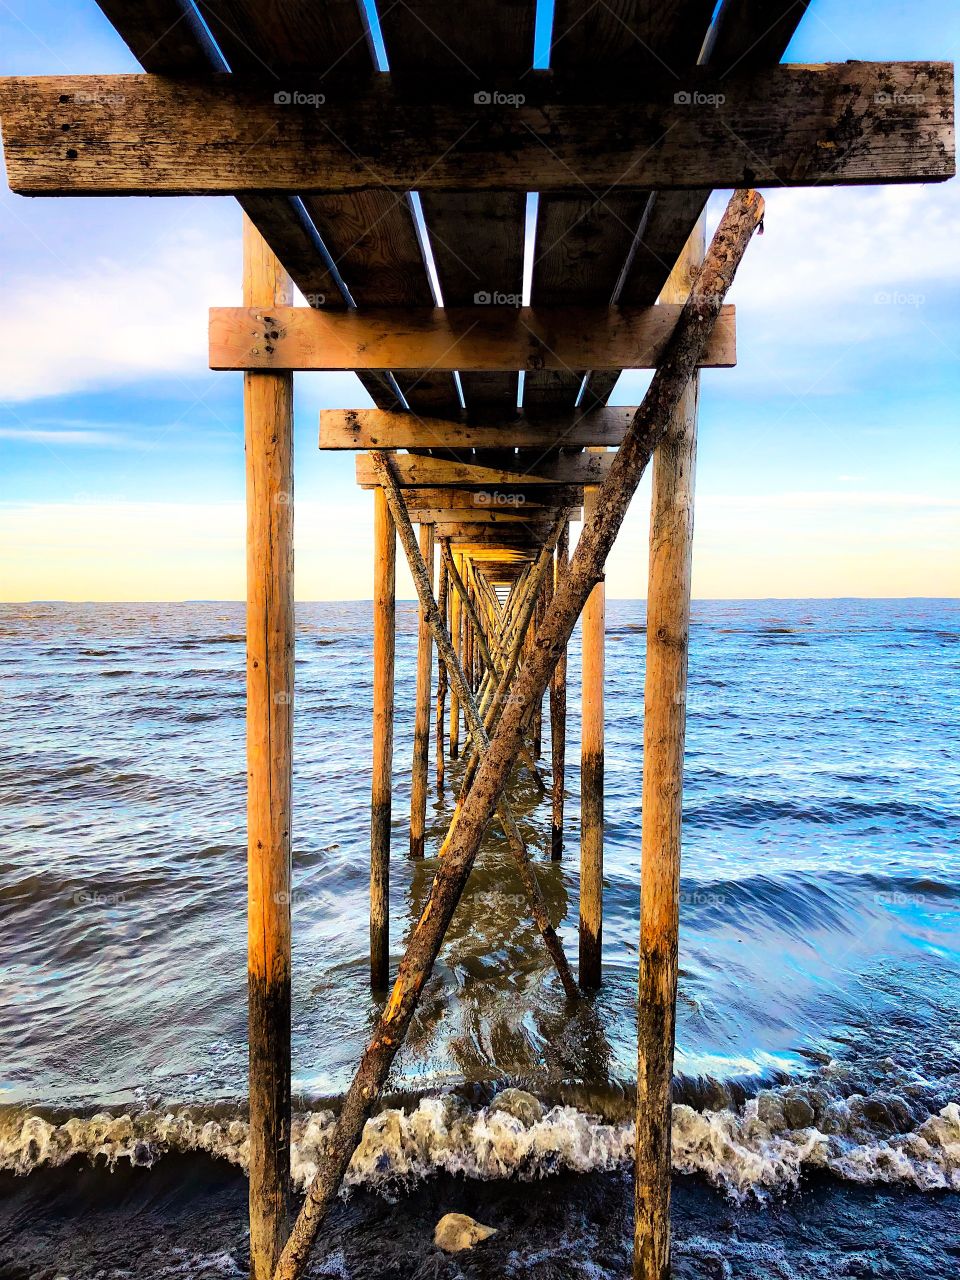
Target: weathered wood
[791,125]
[591,777]
[664,724]
[163,36]
[653,417]
[485,517]
[268,421]
[453,338]
[384,648]
[515,498]
[414,470]
[443,606]
[447,654]
[421,728]
[558,714]
[456,618]
[377,429]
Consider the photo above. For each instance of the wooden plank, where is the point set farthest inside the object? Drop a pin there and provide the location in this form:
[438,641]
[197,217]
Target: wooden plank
[276,40]
[793,125]
[507,497]
[747,35]
[163,35]
[583,241]
[370,235]
[420,763]
[453,338]
[413,470]
[476,238]
[628,36]
[483,516]
[376,429]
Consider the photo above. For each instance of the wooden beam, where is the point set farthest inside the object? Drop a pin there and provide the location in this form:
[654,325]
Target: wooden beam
[413,470]
[664,726]
[449,338]
[268,417]
[484,516]
[856,122]
[376,429]
[507,498]
[558,713]
[384,646]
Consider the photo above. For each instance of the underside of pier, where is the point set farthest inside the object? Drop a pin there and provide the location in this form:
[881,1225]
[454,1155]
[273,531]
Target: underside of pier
[398,170]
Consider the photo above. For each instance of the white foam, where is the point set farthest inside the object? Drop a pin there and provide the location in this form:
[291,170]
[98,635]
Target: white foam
[751,1150]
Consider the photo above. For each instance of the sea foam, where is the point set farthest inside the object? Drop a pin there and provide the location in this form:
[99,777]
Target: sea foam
[757,1148]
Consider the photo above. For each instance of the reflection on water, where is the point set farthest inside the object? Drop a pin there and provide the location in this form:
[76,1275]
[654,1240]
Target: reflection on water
[819,897]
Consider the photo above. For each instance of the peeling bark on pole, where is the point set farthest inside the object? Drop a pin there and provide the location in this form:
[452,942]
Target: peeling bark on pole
[653,418]
[268,415]
[421,728]
[664,726]
[384,647]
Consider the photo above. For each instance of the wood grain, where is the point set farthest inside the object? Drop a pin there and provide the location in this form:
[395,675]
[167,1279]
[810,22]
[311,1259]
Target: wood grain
[453,338]
[790,125]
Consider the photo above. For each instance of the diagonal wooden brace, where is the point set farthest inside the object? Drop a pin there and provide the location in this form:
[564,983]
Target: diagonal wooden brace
[739,222]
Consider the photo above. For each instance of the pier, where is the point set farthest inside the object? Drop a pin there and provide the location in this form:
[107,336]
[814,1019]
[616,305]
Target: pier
[395,202]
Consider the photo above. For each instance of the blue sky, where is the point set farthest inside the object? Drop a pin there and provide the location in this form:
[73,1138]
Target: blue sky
[828,459]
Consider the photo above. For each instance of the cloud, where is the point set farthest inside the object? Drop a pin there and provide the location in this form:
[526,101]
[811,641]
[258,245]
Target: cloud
[114,320]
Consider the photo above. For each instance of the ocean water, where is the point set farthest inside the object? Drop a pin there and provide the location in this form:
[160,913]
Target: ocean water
[817,1098]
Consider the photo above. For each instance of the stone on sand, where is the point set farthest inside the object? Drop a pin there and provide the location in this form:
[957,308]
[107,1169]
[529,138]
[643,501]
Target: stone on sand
[456,1231]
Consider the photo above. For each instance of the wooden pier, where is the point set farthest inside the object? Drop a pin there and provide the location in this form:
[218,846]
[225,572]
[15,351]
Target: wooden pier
[475,471]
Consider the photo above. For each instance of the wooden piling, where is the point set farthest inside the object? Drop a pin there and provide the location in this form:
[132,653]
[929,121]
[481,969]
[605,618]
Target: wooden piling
[442,681]
[591,777]
[456,612]
[268,425]
[421,727]
[558,714]
[384,647]
[664,726]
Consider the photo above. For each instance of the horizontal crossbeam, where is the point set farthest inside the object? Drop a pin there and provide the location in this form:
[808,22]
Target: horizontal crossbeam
[411,470]
[854,122]
[471,339]
[516,496]
[378,429]
[485,516]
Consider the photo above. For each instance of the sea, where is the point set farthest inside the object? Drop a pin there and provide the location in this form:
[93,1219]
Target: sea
[816,1122]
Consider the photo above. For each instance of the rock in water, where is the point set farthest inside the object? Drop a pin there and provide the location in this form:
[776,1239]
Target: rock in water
[456,1231]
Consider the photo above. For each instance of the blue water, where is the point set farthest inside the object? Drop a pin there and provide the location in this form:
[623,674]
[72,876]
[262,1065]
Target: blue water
[820,890]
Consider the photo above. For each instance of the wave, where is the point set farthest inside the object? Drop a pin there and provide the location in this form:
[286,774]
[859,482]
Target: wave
[761,1147]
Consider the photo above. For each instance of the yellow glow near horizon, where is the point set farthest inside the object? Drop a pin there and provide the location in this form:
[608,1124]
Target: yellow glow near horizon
[788,546]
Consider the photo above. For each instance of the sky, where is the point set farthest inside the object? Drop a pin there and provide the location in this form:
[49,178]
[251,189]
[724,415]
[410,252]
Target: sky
[828,461]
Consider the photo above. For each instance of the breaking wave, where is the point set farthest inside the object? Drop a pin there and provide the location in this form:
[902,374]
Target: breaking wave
[761,1146]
